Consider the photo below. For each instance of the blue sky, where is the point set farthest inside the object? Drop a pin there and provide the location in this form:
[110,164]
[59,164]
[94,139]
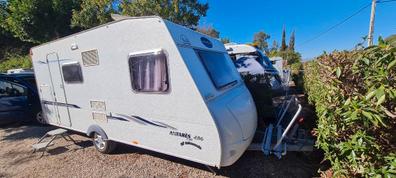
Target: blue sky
[239,20]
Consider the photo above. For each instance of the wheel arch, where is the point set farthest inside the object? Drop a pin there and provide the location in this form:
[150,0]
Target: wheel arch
[96,128]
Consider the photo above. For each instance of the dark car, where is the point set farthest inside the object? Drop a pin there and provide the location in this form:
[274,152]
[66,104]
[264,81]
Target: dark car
[19,100]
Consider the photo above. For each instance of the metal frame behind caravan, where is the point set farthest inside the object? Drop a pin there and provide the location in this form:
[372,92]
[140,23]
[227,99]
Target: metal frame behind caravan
[193,119]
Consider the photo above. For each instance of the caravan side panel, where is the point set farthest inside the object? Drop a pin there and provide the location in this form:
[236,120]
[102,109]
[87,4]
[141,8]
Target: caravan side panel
[176,122]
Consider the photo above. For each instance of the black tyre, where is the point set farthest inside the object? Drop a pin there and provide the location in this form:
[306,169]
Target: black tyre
[40,118]
[103,145]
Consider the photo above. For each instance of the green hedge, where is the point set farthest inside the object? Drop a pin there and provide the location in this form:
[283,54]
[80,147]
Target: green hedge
[354,93]
[15,62]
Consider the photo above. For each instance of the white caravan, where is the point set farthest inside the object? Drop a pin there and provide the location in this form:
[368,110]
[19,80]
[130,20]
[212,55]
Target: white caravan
[250,60]
[150,83]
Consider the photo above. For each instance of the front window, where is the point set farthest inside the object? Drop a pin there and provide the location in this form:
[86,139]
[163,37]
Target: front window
[218,67]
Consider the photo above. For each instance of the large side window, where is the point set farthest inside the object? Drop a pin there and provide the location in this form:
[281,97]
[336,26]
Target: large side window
[72,72]
[218,67]
[149,72]
[8,89]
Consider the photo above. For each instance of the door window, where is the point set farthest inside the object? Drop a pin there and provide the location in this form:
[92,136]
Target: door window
[72,72]
[8,89]
[149,72]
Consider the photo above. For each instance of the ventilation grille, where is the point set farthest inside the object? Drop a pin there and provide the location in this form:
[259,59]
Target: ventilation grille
[98,105]
[90,58]
[100,117]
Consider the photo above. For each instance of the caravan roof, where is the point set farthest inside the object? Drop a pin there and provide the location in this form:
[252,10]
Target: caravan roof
[250,59]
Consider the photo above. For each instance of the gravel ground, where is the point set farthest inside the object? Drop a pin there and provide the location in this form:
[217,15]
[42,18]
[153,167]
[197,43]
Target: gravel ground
[65,159]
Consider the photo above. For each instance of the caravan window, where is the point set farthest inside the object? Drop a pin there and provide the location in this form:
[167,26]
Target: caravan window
[218,67]
[149,72]
[72,72]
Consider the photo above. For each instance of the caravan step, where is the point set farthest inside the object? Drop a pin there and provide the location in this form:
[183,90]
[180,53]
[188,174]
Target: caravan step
[56,132]
[42,145]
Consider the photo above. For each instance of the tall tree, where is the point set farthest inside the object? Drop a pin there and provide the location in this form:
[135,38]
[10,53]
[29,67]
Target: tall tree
[9,45]
[209,30]
[292,41]
[93,12]
[260,40]
[183,12]
[283,45]
[274,46]
[3,16]
[38,21]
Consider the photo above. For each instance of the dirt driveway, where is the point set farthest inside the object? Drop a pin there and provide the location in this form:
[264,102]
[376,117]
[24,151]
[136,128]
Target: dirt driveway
[68,160]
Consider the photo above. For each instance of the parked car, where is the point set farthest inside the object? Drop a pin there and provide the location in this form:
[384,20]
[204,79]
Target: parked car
[19,100]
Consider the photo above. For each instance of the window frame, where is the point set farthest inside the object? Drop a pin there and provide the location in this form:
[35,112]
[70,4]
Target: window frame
[80,72]
[219,88]
[147,53]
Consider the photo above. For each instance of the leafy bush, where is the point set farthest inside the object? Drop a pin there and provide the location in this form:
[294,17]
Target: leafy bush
[297,75]
[354,93]
[15,62]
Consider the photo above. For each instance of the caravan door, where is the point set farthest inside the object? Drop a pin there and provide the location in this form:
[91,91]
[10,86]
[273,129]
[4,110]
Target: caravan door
[59,95]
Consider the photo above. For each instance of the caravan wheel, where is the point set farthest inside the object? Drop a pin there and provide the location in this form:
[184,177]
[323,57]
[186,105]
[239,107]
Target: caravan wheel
[103,145]
[40,118]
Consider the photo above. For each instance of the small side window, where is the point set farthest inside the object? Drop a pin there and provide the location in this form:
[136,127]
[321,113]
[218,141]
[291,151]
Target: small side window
[149,72]
[72,72]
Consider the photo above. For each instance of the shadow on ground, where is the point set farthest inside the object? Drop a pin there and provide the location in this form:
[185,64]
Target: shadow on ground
[251,164]
[25,131]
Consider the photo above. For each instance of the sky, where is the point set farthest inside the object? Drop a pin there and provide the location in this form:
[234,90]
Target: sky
[239,20]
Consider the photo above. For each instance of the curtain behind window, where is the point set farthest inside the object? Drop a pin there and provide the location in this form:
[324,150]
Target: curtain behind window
[149,73]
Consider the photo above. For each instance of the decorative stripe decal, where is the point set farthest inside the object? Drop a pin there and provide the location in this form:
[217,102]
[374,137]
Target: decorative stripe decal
[117,118]
[191,143]
[60,104]
[139,120]
[149,122]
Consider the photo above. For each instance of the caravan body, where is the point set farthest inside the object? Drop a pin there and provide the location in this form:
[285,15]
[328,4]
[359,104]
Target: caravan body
[150,83]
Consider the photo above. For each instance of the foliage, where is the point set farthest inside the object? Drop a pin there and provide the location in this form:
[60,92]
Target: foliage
[8,43]
[3,10]
[183,12]
[283,45]
[354,93]
[38,21]
[209,30]
[260,41]
[274,46]
[225,40]
[391,40]
[15,62]
[92,13]
[297,75]
[291,57]
[292,41]
[25,23]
